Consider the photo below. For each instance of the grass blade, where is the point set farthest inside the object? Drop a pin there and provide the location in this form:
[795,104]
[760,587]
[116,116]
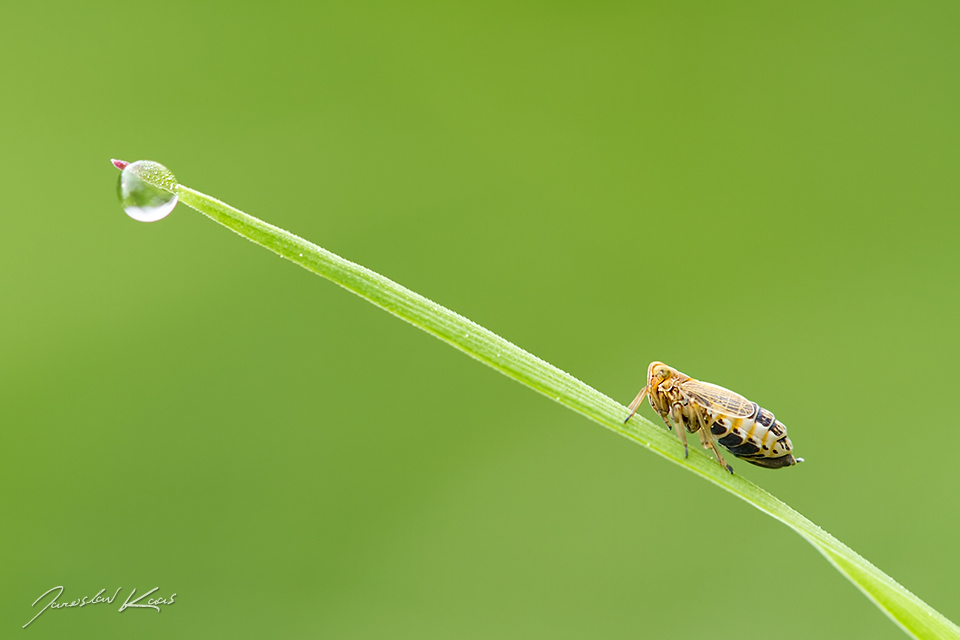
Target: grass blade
[907,610]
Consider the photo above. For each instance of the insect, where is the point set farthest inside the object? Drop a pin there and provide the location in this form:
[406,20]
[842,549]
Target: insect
[744,428]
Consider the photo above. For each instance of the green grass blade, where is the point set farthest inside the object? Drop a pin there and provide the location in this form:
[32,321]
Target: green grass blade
[912,614]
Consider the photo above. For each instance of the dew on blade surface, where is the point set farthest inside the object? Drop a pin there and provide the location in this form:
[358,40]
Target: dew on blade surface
[139,196]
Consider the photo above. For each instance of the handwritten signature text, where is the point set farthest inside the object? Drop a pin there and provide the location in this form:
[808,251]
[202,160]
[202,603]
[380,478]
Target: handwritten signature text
[152,603]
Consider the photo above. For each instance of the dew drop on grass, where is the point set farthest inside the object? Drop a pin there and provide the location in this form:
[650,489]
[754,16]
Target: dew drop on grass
[141,200]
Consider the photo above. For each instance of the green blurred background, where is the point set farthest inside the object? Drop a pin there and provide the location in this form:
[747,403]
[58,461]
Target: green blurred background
[763,197]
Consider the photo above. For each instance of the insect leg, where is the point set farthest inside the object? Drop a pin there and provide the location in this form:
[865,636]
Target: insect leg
[676,416]
[636,404]
[703,437]
[711,443]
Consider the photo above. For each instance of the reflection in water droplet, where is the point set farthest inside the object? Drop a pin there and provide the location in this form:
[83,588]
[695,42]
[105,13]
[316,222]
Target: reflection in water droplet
[142,200]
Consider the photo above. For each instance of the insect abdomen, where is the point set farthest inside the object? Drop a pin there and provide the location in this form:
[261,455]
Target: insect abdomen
[760,439]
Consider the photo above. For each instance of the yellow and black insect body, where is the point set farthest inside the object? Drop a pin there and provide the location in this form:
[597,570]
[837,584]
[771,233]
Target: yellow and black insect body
[744,428]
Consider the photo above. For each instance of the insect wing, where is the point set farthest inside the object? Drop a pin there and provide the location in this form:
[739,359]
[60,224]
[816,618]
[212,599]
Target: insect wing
[718,400]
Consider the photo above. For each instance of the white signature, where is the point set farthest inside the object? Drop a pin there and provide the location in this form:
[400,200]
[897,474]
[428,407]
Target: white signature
[152,603]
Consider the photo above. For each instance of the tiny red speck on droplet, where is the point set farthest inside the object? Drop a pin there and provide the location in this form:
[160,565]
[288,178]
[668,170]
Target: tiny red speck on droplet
[120,164]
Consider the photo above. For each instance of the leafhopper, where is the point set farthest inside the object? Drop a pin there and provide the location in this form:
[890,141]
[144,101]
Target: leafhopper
[718,415]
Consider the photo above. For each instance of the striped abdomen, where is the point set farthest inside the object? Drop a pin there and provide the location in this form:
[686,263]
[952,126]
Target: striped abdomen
[760,438]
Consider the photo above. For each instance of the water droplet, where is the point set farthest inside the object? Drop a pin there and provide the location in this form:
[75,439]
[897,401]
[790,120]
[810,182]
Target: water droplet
[141,200]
